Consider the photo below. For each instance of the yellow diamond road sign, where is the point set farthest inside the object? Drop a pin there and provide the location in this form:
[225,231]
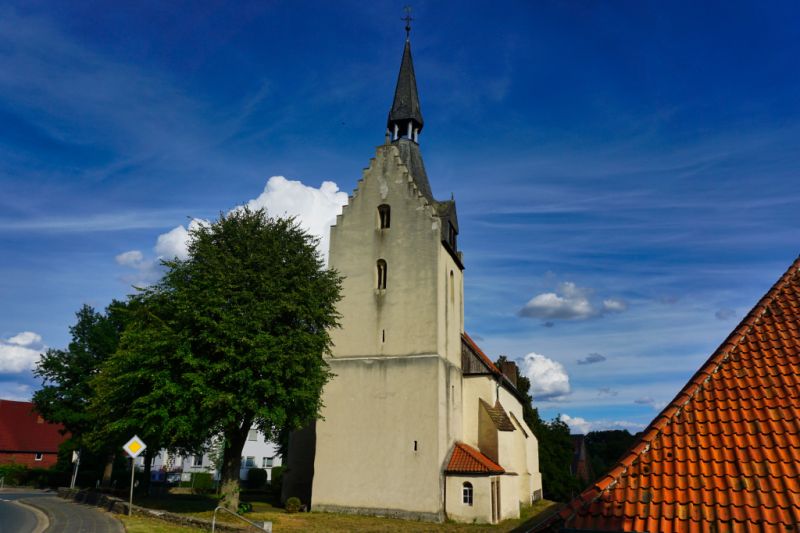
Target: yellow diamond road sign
[135,446]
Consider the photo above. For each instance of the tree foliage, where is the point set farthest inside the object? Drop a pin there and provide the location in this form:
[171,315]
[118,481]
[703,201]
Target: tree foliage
[66,374]
[555,446]
[605,448]
[230,338]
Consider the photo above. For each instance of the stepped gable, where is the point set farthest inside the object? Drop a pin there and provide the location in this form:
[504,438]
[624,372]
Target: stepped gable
[467,460]
[724,455]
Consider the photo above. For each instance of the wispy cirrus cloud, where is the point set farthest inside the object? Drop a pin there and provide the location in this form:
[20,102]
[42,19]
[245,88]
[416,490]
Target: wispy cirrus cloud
[592,358]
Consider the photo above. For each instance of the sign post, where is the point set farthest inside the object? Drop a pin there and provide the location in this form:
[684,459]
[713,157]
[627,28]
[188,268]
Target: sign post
[76,460]
[133,448]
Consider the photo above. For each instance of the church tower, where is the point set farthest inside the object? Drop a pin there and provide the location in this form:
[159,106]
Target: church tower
[393,410]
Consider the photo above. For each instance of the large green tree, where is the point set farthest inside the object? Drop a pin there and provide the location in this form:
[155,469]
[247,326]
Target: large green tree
[66,374]
[233,337]
[555,446]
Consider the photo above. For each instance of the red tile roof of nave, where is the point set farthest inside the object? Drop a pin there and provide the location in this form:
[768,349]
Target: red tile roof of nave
[724,455]
[488,362]
[467,460]
[23,430]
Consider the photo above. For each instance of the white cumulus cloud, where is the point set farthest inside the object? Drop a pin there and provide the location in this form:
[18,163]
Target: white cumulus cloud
[569,302]
[549,378]
[131,258]
[175,242]
[314,208]
[577,424]
[613,305]
[20,352]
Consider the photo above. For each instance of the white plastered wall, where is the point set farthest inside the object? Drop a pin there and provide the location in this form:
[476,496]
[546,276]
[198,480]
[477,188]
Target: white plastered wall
[396,357]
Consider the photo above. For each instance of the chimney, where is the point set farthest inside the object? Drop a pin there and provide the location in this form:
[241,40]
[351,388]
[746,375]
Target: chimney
[509,370]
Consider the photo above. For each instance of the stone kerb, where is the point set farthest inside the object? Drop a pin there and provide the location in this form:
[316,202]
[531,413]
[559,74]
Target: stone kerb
[118,506]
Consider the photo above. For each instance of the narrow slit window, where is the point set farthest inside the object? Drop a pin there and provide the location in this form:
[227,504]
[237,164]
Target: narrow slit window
[384,216]
[381,274]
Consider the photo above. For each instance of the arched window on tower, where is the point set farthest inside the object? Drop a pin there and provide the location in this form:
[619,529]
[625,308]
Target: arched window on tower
[467,493]
[381,266]
[384,216]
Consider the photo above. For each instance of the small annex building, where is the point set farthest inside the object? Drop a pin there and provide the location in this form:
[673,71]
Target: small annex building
[417,421]
[26,438]
[724,455]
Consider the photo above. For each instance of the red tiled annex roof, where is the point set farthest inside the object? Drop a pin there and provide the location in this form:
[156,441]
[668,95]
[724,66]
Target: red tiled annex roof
[467,460]
[724,455]
[23,430]
[488,362]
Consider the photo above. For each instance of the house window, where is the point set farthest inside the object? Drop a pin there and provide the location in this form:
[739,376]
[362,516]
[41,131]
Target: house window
[467,493]
[384,216]
[249,462]
[382,274]
[266,462]
[252,435]
[198,460]
[39,456]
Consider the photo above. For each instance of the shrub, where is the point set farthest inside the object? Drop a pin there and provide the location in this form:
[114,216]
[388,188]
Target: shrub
[293,505]
[245,507]
[256,478]
[277,477]
[14,474]
[202,482]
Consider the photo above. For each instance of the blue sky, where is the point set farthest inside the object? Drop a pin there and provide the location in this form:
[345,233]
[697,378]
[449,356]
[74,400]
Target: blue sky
[626,173]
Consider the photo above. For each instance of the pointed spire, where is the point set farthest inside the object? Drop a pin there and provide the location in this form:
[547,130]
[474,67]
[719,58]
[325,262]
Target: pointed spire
[405,117]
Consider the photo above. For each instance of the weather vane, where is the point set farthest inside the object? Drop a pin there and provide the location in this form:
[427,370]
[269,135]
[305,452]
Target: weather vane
[408,20]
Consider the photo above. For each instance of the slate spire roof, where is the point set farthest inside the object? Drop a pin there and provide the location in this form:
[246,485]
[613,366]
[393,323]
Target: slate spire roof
[405,106]
[724,455]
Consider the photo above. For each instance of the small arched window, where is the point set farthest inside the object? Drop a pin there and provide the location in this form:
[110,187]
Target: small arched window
[381,266]
[384,216]
[467,493]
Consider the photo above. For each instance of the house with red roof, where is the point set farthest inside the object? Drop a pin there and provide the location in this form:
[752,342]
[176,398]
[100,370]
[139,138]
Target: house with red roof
[724,455]
[26,438]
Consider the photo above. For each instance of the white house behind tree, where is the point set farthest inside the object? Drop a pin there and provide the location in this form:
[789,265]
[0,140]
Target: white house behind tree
[258,452]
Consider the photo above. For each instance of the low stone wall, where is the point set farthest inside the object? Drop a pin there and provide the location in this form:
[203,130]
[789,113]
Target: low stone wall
[116,505]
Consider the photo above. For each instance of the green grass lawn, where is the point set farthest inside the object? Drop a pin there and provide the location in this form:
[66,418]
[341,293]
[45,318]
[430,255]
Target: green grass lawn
[141,524]
[203,507]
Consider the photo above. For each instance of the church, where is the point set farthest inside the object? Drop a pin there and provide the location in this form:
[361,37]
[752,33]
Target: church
[417,421]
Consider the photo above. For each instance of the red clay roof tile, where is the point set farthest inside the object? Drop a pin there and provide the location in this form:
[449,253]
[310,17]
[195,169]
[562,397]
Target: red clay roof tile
[724,455]
[467,460]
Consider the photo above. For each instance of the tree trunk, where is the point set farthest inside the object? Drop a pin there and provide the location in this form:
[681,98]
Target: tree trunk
[235,438]
[108,470]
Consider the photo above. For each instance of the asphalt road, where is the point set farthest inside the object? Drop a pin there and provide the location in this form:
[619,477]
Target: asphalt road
[15,518]
[64,516]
